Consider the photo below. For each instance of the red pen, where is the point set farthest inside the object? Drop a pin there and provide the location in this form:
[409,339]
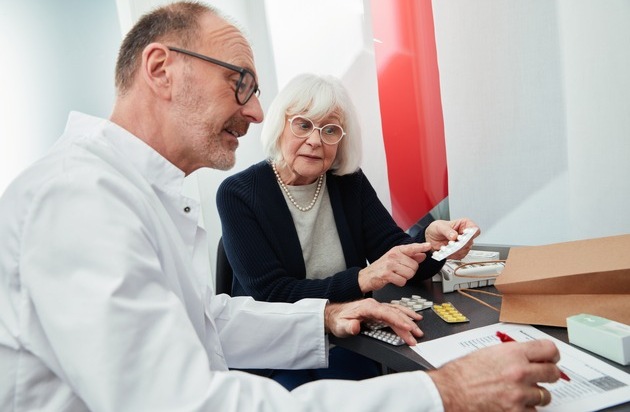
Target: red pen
[506,338]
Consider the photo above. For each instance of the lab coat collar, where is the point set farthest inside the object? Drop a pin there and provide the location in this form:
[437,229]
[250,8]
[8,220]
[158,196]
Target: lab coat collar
[147,161]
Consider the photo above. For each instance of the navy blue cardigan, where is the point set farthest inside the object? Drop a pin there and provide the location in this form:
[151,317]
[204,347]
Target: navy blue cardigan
[264,250]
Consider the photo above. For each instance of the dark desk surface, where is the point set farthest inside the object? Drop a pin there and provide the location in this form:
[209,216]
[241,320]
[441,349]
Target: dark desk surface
[402,358]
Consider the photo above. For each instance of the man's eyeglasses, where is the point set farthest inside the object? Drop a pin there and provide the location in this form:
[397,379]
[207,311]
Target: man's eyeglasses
[246,86]
[302,127]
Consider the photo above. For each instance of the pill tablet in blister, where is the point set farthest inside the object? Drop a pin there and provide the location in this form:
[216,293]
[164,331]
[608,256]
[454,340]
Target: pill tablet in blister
[374,329]
[385,336]
[453,246]
[449,313]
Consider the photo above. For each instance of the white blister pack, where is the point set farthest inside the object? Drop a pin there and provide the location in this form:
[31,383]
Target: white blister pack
[380,330]
[454,245]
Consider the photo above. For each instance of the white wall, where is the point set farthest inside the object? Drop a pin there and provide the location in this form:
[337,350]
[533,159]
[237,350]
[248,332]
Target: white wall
[536,102]
[56,57]
[594,43]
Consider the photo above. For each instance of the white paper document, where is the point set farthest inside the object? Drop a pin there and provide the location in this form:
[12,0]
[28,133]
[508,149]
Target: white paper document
[594,384]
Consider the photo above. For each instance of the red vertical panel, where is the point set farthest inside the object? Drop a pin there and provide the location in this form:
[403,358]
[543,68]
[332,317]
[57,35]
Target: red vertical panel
[411,108]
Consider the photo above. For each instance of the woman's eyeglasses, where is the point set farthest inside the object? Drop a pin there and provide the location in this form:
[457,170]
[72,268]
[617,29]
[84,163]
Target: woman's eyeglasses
[302,127]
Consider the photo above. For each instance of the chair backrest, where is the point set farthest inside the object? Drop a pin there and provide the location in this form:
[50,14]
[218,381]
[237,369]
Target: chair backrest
[224,274]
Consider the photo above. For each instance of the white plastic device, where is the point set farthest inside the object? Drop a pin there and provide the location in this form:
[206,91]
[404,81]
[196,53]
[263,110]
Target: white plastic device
[472,275]
[480,256]
[472,269]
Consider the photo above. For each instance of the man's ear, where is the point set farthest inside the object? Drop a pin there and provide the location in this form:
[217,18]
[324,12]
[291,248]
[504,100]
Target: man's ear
[156,69]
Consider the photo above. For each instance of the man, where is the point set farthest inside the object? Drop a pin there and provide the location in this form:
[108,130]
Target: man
[103,304]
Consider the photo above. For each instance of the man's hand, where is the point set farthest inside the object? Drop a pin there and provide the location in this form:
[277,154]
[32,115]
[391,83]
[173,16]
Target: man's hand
[439,232]
[344,319]
[396,266]
[499,378]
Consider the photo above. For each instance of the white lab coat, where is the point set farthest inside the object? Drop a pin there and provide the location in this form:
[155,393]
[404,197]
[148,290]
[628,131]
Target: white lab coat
[104,304]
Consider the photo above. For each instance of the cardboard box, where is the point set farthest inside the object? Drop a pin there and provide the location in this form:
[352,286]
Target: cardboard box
[543,285]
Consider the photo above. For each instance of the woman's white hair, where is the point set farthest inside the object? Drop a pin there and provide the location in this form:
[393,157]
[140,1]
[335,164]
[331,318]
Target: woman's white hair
[314,97]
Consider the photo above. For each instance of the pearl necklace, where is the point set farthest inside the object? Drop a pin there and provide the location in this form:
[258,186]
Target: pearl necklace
[290,196]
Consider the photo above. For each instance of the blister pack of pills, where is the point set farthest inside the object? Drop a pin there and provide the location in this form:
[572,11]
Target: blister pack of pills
[380,330]
[384,335]
[414,302]
[449,313]
[454,245]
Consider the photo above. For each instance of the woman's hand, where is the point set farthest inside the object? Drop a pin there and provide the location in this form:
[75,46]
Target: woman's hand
[440,232]
[396,266]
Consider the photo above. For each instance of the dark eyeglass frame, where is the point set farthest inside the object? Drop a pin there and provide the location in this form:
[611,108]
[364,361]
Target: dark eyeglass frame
[242,100]
[343,132]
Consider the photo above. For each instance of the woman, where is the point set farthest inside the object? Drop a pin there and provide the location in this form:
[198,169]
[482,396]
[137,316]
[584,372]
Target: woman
[306,222]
